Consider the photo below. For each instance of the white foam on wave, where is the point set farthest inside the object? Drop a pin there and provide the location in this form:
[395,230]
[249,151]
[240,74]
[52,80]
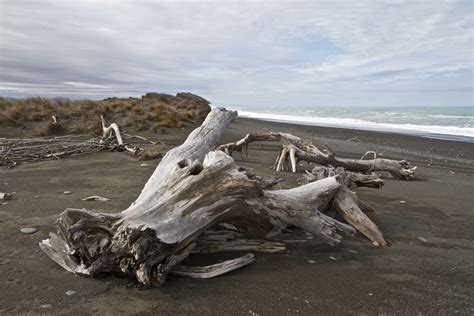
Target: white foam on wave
[412,129]
[466,117]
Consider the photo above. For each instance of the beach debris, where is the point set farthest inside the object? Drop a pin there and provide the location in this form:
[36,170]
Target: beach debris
[376,244]
[142,138]
[96,198]
[295,149]
[70,293]
[354,139]
[194,190]
[21,150]
[37,196]
[5,203]
[371,294]
[144,165]
[29,230]
[6,196]
[311,261]
[403,202]
[67,192]
[352,251]
[422,239]
[45,306]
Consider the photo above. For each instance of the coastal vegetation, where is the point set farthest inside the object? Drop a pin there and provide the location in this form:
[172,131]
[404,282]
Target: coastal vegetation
[58,116]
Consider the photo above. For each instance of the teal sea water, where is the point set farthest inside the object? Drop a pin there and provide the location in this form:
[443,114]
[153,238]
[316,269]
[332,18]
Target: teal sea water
[456,123]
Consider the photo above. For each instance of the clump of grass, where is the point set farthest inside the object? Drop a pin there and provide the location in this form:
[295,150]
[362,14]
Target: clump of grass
[49,128]
[94,126]
[158,128]
[15,112]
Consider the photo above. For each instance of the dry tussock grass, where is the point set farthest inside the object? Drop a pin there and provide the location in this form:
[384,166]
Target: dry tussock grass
[153,111]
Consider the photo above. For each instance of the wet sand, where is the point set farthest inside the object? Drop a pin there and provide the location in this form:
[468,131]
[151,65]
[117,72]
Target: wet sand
[431,275]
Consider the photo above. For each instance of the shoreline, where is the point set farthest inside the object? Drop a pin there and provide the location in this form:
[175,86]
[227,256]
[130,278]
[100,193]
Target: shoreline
[376,127]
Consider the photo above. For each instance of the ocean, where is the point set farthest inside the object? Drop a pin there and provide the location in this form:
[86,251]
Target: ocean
[453,123]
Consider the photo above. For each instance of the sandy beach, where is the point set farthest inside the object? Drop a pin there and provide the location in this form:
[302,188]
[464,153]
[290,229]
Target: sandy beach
[428,269]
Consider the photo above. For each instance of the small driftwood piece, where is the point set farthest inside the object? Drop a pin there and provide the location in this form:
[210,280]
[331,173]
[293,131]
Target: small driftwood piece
[214,269]
[5,196]
[295,149]
[96,198]
[351,179]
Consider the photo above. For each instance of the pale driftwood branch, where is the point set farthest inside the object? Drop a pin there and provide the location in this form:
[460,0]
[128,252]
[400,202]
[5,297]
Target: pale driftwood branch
[142,138]
[214,269]
[96,198]
[107,131]
[346,205]
[294,149]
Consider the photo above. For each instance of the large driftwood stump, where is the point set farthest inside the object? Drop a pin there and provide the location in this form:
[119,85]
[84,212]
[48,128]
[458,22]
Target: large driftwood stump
[199,201]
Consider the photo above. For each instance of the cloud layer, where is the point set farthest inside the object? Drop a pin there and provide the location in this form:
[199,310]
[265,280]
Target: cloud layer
[267,53]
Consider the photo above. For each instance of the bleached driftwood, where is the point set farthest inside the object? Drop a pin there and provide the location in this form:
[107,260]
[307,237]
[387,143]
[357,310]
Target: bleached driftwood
[5,196]
[107,134]
[351,179]
[295,148]
[96,198]
[191,191]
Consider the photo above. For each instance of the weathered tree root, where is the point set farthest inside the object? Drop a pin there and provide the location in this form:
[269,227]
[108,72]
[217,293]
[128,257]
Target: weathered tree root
[198,200]
[295,149]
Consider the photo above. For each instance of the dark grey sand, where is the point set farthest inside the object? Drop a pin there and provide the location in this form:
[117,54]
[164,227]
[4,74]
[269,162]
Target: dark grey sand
[412,276]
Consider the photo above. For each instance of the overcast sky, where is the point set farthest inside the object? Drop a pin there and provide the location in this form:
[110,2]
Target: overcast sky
[308,53]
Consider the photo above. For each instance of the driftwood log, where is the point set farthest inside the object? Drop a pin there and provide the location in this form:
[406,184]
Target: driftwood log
[198,201]
[295,149]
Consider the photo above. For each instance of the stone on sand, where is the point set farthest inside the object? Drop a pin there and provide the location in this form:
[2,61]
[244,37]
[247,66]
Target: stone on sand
[29,230]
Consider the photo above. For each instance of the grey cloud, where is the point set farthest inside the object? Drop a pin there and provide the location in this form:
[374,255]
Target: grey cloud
[237,52]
